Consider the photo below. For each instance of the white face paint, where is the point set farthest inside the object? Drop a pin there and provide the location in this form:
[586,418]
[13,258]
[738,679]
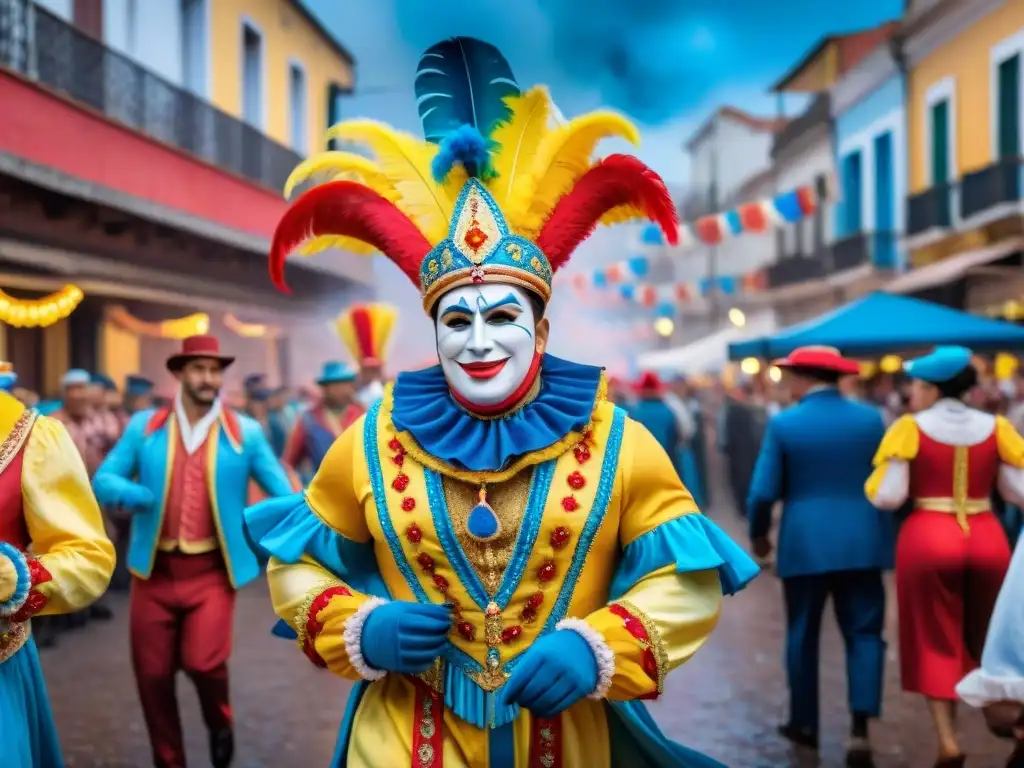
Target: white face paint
[486,341]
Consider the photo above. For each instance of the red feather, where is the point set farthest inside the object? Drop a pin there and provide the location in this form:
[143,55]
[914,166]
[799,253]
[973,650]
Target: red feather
[348,209]
[616,180]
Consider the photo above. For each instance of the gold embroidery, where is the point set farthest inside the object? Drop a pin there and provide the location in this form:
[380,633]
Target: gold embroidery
[302,615]
[960,486]
[654,640]
[508,499]
[12,638]
[434,677]
[16,438]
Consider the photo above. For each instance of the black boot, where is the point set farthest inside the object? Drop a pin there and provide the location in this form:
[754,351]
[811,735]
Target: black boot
[858,750]
[1017,758]
[101,612]
[800,735]
[222,748]
[951,762]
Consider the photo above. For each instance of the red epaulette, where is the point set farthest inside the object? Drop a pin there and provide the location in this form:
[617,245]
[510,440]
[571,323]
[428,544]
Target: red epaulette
[232,426]
[157,420]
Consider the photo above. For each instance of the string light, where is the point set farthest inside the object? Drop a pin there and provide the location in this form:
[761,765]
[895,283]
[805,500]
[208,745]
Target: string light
[890,364]
[751,366]
[737,318]
[775,374]
[664,326]
[179,328]
[39,313]
[250,330]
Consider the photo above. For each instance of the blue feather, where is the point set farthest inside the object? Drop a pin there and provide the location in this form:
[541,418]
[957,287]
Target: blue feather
[463,81]
[467,147]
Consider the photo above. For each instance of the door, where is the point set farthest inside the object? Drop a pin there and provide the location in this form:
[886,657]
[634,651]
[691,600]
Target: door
[193,46]
[940,117]
[252,76]
[852,213]
[884,250]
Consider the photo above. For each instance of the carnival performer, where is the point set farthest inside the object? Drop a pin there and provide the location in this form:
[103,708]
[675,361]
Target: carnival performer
[182,472]
[998,685]
[832,542]
[505,562]
[55,558]
[365,329]
[316,429]
[952,552]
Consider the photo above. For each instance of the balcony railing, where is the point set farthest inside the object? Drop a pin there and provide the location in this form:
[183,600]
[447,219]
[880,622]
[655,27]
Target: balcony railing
[993,186]
[818,113]
[44,48]
[930,209]
[878,248]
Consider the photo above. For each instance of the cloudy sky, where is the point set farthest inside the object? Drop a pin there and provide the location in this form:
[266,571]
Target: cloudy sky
[666,63]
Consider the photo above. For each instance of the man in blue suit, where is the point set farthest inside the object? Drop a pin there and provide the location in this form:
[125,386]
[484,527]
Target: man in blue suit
[815,458]
[183,474]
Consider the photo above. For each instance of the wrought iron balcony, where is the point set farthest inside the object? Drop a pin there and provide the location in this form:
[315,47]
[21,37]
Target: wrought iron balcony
[930,209]
[996,185]
[840,256]
[42,47]
[794,269]
[818,113]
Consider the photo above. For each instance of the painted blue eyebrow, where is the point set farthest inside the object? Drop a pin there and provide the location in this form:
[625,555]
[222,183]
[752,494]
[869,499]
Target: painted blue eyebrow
[461,308]
[510,299]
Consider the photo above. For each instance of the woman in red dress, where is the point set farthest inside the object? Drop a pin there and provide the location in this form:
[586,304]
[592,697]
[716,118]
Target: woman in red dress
[952,552]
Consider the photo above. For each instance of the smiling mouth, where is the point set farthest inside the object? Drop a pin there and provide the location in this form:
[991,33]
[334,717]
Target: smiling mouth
[483,370]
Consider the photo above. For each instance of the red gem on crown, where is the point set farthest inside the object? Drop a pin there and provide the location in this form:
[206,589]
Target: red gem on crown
[475,237]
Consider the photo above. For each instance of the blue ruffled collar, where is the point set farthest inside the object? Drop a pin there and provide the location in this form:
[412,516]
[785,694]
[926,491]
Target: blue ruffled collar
[423,406]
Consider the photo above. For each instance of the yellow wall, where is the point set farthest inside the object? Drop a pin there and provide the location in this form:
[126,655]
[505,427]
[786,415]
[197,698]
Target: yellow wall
[120,351]
[965,58]
[286,35]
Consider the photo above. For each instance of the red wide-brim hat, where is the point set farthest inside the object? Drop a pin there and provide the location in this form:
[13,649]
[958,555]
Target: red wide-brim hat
[650,382]
[819,358]
[196,347]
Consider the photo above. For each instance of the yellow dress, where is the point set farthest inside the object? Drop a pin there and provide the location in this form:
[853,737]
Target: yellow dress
[597,535]
[55,557]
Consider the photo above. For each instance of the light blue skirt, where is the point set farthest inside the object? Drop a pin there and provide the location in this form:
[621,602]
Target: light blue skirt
[29,734]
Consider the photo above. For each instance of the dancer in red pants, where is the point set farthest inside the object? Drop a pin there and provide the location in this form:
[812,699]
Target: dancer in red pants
[183,473]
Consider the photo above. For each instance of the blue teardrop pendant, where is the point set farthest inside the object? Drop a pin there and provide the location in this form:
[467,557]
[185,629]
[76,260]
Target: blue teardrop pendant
[482,524]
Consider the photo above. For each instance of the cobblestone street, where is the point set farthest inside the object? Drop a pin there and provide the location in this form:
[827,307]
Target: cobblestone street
[725,702]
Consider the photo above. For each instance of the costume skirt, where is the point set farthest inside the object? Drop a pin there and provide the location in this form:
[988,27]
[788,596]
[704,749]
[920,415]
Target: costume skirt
[29,734]
[946,587]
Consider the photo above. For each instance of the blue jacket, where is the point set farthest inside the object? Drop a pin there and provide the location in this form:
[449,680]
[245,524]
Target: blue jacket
[660,422]
[815,459]
[239,451]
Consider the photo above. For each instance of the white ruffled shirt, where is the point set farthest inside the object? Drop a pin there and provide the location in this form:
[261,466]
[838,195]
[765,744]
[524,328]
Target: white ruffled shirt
[193,435]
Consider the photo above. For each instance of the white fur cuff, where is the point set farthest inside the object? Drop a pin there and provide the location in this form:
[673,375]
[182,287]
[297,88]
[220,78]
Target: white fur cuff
[602,654]
[979,688]
[353,637]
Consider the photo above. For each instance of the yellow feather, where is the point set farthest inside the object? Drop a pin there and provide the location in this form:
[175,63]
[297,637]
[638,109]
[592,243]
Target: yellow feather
[324,242]
[563,157]
[405,161]
[330,165]
[519,138]
[624,213]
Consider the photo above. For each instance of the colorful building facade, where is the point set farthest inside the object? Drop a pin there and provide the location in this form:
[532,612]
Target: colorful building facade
[965,107]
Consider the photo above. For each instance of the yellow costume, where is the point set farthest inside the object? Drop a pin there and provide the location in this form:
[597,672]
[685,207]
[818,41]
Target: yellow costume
[550,515]
[54,558]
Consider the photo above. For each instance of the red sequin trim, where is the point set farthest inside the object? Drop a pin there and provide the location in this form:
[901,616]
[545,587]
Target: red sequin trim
[414,534]
[36,600]
[408,504]
[560,537]
[636,628]
[546,742]
[576,481]
[427,728]
[400,483]
[314,627]
[569,504]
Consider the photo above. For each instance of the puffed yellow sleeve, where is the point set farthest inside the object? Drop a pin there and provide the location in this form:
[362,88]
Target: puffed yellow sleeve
[667,592]
[64,521]
[1010,443]
[889,483]
[321,552]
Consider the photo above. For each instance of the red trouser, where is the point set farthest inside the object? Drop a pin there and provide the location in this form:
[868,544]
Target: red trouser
[181,618]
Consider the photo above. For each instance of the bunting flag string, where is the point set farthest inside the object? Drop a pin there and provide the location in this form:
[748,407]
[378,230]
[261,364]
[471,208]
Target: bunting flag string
[750,218]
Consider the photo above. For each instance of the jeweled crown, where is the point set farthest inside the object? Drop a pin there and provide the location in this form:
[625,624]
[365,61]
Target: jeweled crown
[499,191]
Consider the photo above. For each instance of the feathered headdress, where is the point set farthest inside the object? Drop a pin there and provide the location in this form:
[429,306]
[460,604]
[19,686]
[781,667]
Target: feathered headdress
[365,329]
[498,192]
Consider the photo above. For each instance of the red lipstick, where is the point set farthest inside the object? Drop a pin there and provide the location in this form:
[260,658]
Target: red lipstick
[486,370]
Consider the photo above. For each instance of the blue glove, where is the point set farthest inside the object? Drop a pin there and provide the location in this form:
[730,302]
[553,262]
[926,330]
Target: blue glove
[405,637]
[135,498]
[557,671]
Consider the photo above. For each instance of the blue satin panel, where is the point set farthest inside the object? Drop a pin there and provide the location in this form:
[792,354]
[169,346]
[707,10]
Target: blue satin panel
[691,543]
[424,407]
[29,736]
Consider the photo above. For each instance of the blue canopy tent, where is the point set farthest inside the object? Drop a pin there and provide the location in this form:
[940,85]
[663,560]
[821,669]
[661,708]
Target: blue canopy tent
[882,323]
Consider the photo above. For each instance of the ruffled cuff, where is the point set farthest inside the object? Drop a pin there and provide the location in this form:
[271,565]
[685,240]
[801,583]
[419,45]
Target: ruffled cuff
[308,620]
[690,543]
[602,654]
[286,528]
[980,688]
[15,564]
[353,638]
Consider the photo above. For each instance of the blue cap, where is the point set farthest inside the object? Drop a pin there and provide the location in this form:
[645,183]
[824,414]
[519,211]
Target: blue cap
[941,365]
[137,386]
[7,380]
[335,372]
[75,377]
[258,394]
[104,381]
